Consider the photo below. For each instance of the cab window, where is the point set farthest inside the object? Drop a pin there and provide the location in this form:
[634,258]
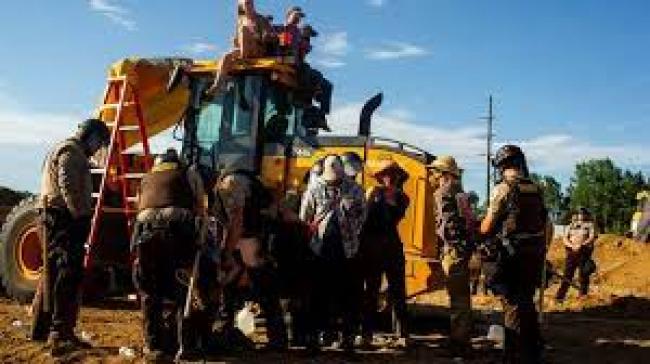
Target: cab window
[244,96]
[209,124]
[279,115]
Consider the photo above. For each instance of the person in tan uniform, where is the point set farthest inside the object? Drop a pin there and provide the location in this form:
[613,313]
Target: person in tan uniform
[243,201]
[165,240]
[579,242]
[455,229]
[66,212]
[518,225]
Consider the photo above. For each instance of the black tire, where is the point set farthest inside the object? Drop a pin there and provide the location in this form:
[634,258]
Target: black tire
[17,284]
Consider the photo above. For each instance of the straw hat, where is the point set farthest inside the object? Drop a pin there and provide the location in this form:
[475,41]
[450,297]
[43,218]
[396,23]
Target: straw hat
[446,164]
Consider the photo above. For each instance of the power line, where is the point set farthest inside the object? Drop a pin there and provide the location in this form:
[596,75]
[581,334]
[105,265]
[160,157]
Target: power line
[488,154]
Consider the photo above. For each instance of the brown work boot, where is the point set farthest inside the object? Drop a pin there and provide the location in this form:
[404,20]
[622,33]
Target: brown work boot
[154,356]
[458,350]
[402,343]
[60,345]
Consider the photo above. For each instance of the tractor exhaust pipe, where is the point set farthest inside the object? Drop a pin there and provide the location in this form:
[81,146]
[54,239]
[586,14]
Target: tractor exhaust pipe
[365,120]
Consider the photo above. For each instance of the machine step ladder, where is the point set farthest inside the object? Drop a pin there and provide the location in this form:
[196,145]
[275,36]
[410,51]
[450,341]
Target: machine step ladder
[125,165]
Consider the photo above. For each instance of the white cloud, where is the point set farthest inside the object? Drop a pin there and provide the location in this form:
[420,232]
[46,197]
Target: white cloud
[377,3]
[329,62]
[116,13]
[396,50]
[26,135]
[335,44]
[19,126]
[331,49]
[198,48]
[560,152]
[549,154]
[466,143]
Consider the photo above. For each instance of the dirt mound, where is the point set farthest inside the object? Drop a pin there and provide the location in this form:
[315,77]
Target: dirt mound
[622,265]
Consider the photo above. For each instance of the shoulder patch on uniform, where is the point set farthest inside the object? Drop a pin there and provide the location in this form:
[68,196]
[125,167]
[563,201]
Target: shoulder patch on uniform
[528,188]
[165,166]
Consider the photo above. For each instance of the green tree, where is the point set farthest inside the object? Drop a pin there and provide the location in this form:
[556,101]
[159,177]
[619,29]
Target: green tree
[9,197]
[553,198]
[607,191]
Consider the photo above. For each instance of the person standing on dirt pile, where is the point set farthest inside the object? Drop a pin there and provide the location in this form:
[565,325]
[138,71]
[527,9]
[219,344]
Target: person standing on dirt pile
[382,251]
[455,229]
[244,201]
[518,219]
[165,241]
[579,242]
[334,209]
[66,211]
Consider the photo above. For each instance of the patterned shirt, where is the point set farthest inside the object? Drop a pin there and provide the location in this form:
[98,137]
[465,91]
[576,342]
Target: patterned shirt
[345,204]
[579,234]
[454,217]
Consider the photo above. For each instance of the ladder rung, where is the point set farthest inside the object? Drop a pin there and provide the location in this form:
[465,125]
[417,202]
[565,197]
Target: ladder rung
[129,128]
[116,105]
[117,79]
[118,210]
[134,175]
[133,152]
[130,199]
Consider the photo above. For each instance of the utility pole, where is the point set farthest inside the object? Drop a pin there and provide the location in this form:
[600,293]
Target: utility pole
[490,120]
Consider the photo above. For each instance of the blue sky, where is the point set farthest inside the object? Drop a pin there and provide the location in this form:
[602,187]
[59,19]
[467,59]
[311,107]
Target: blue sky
[571,78]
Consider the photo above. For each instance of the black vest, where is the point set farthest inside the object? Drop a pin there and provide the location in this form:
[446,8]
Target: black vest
[166,188]
[525,211]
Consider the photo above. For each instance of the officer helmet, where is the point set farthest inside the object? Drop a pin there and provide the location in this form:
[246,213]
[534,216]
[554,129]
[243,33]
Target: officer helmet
[509,156]
[94,129]
[352,164]
[446,164]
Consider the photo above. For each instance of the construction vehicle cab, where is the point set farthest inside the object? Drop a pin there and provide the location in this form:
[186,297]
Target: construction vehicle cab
[232,129]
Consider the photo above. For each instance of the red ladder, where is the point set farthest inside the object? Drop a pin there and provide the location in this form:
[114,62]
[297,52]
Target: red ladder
[120,165]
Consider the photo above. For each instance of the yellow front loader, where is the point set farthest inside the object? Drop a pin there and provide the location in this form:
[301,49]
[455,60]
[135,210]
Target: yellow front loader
[235,130]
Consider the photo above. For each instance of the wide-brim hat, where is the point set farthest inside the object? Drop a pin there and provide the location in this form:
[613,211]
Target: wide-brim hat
[446,164]
[389,166]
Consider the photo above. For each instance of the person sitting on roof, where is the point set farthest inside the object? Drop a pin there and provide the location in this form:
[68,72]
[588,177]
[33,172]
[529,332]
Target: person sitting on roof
[291,35]
[307,32]
[254,37]
[254,31]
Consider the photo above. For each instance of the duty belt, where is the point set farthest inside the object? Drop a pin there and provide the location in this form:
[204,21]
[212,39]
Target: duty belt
[514,240]
[167,214]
